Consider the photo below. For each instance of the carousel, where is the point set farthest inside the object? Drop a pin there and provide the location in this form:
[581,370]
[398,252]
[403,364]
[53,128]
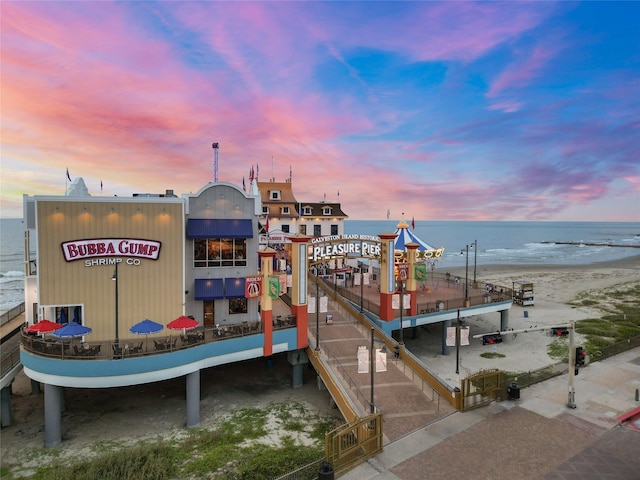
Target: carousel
[425,251]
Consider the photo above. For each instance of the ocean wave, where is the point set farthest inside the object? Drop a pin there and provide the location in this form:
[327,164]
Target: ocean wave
[12,273]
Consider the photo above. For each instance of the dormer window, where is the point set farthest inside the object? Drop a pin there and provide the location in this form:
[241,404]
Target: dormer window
[274,195]
[306,211]
[326,210]
[285,211]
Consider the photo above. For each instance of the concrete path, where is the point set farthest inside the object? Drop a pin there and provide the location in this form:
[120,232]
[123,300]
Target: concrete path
[535,437]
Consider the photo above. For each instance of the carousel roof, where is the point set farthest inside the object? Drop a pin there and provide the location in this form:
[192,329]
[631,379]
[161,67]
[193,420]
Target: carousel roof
[405,235]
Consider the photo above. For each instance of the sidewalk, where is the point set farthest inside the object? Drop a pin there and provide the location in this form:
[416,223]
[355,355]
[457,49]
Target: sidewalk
[534,437]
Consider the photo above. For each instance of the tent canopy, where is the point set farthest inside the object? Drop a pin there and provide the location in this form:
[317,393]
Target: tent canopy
[405,235]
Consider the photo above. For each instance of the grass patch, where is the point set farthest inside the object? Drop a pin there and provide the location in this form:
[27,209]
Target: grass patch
[620,320]
[492,355]
[239,446]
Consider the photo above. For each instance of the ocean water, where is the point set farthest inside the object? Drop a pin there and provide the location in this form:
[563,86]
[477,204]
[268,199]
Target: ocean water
[11,264]
[517,243]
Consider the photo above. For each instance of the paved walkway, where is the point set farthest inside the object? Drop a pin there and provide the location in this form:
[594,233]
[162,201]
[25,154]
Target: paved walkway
[535,437]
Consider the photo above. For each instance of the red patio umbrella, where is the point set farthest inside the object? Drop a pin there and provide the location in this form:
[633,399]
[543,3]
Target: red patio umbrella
[43,326]
[183,323]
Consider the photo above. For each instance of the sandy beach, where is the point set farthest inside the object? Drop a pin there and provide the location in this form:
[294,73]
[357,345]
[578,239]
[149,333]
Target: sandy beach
[121,416]
[556,287]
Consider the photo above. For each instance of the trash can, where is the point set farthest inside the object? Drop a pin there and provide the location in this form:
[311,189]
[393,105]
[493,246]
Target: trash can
[325,472]
[526,314]
[513,391]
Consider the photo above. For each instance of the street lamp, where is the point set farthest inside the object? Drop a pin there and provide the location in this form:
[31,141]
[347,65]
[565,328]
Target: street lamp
[475,261]
[361,285]
[466,271]
[372,363]
[317,311]
[458,345]
[401,309]
[115,278]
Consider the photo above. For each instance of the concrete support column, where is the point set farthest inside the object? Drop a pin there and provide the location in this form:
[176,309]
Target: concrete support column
[298,376]
[193,399]
[504,324]
[5,406]
[35,387]
[298,359]
[445,348]
[53,405]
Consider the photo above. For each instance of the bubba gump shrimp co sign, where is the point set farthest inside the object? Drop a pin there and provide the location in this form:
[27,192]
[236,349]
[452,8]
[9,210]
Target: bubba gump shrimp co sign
[104,247]
[353,245]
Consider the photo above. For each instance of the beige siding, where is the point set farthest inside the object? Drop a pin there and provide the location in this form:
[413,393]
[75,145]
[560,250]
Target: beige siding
[153,289]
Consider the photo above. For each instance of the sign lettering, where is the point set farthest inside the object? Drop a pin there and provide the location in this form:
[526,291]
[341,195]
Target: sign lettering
[103,247]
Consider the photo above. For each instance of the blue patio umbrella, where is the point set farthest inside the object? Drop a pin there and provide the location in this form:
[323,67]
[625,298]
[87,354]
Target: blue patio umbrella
[72,330]
[63,316]
[145,327]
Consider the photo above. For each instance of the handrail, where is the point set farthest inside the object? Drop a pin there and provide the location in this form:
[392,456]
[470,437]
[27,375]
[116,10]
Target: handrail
[9,315]
[10,360]
[129,348]
[346,407]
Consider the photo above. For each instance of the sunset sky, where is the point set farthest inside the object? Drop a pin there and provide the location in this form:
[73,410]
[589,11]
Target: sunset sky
[444,111]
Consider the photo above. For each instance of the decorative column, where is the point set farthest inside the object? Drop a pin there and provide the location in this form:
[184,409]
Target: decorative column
[52,418]
[387,275]
[299,278]
[193,398]
[266,257]
[412,285]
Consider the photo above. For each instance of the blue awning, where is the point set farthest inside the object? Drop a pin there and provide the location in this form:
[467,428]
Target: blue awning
[219,228]
[209,289]
[234,287]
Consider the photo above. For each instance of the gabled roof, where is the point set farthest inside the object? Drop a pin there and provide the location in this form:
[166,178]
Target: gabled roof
[285,189]
[317,210]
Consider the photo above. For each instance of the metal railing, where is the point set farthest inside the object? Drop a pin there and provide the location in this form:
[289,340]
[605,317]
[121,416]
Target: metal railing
[6,317]
[10,360]
[75,349]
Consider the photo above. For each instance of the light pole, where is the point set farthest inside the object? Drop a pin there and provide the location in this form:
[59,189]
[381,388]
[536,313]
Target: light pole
[475,262]
[401,342]
[317,311]
[466,275]
[361,284]
[458,345]
[115,277]
[372,364]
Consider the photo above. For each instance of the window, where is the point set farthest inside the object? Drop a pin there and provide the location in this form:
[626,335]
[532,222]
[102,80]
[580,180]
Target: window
[303,229]
[326,210]
[265,210]
[306,211]
[237,305]
[334,229]
[317,230]
[285,210]
[285,228]
[219,252]
[274,194]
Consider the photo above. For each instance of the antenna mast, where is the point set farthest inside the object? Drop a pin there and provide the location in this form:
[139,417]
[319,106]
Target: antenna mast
[215,146]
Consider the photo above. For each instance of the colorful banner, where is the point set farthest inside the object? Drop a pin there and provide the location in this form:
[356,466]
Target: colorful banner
[420,273]
[274,287]
[253,286]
